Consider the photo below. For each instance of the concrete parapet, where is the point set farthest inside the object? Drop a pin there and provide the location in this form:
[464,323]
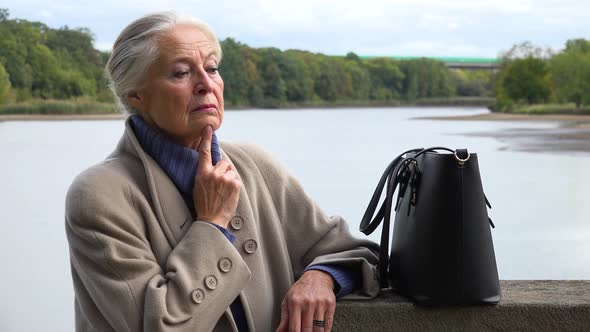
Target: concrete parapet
[526,305]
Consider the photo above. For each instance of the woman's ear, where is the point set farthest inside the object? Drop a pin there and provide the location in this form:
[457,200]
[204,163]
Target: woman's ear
[135,99]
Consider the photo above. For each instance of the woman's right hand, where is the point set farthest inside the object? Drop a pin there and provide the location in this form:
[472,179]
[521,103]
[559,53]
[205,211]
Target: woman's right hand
[217,188]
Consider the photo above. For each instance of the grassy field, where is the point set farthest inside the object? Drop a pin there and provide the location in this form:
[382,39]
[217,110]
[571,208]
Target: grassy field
[59,107]
[540,109]
[551,109]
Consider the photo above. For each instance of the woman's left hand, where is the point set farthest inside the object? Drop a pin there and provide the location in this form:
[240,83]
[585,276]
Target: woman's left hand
[310,298]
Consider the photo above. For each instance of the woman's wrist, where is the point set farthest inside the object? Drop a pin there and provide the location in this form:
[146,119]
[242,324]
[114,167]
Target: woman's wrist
[221,222]
[321,276]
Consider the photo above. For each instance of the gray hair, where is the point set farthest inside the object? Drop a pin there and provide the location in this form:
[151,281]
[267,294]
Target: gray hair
[136,49]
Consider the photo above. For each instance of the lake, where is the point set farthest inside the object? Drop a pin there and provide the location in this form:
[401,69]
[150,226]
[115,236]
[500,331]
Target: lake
[541,201]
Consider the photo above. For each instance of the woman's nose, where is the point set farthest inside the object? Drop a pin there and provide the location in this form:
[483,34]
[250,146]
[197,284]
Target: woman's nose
[204,84]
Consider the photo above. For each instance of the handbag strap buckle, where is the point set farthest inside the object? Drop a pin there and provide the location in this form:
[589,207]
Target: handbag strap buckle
[462,161]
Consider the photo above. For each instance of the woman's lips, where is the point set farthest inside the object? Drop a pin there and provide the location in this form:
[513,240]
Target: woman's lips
[205,107]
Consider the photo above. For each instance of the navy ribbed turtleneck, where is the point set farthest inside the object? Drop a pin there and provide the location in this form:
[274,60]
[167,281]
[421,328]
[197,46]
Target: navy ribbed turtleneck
[179,162]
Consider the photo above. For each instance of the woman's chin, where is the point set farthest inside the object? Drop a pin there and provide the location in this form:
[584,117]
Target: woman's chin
[197,128]
[197,119]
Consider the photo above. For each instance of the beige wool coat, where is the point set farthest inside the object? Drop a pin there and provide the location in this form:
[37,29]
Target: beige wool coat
[140,263]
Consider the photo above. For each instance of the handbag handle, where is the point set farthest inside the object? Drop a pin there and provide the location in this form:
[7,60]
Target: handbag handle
[368,226]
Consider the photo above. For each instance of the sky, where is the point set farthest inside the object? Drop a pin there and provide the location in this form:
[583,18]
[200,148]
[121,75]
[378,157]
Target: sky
[463,28]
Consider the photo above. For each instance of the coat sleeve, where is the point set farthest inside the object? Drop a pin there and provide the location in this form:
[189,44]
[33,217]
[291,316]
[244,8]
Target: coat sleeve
[312,236]
[119,283]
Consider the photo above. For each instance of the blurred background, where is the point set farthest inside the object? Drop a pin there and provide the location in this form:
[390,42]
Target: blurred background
[335,90]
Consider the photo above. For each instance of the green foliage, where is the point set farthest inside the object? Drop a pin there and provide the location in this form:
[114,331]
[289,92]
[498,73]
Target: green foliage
[51,106]
[386,78]
[330,83]
[532,75]
[232,68]
[527,79]
[571,73]
[274,87]
[4,84]
[471,83]
[577,45]
[14,52]
[353,57]
[524,50]
[272,78]
[41,63]
[425,78]
[360,79]
[552,109]
[298,81]
[50,63]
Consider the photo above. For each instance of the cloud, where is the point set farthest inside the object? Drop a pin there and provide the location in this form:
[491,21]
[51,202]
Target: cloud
[103,45]
[45,13]
[453,27]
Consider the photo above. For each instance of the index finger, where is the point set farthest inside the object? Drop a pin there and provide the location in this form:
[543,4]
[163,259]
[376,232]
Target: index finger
[205,149]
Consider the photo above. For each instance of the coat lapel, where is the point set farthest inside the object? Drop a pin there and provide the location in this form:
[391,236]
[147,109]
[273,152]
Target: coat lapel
[169,206]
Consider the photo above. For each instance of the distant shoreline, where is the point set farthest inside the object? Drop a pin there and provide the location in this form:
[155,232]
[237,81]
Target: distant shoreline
[512,117]
[571,133]
[121,116]
[579,119]
[64,110]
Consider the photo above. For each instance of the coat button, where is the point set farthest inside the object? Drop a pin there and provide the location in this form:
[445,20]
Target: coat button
[250,246]
[198,295]
[237,222]
[225,264]
[211,282]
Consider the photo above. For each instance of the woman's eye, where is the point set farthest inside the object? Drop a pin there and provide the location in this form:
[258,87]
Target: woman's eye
[181,74]
[213,70]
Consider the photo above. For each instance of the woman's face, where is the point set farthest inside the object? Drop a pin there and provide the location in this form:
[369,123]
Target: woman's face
[182,91]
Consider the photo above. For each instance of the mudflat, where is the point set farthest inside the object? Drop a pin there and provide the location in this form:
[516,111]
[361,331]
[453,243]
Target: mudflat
[571,133]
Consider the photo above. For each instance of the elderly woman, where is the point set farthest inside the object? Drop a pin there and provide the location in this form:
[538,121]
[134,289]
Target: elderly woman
[176,232]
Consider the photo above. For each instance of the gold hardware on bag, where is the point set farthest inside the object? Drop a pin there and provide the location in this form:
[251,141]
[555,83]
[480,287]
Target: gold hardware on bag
[460,161]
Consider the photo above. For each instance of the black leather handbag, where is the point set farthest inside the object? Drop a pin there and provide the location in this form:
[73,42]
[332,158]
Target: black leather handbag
[442,251]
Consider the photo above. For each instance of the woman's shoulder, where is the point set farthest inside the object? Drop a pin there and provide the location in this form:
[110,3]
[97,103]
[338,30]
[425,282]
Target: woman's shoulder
[106,172]
[108,181]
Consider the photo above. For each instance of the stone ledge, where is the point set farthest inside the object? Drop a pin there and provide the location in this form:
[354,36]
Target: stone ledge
[531,305]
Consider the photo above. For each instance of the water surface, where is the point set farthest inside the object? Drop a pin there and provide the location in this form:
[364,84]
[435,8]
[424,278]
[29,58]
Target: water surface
[540,201]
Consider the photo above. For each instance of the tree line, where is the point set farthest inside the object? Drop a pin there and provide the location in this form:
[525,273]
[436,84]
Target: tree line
[40,63]
[533,75]
[37,62]
[270,77]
